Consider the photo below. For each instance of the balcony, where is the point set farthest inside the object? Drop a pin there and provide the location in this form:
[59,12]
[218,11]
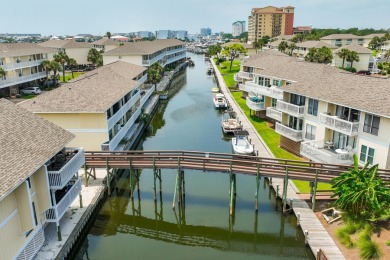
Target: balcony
[255,103]
[291,109]
[273,92]
[176,58]
[123,110]
[32,245]
[56,212]
[274,114]
[295,135]
[146,95]
[245,75]
[64,166]
[21,65]
[22,79]
[340,125]
[316,151]
[242,87]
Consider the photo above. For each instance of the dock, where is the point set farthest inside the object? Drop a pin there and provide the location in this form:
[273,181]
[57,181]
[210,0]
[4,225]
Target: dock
[316,236]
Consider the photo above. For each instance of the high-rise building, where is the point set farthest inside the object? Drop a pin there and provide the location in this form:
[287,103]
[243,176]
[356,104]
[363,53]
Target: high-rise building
[144,34]
[271,21]
[238,28]
[165,34]
[181,35]
[205,31]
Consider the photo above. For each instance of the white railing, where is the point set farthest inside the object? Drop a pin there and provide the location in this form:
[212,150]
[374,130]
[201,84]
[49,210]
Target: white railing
[242,87]
[176,58]
[273,91]
[119,136]
[340,125]
[145,97]
[245,75]
[315,150]
[274,114]
[291,109]
[123,110]
[255,105]
[23,64]
[295,135]
[22,79]
[175,50]
[276,92]
[63,205]
[32,245]
[58,179]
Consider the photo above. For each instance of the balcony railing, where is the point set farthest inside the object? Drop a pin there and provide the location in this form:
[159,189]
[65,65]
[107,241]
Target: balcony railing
[176,58]
[273,91]
[32,245]
[56,212]
[295,135]
[123,110]
[274,114]
[145,97]
[58,178]
[291,109]
[254,104]
[23,64]
[22,79]
[316,151]
[339,125]
[245,75]
[242,87]
[162,55]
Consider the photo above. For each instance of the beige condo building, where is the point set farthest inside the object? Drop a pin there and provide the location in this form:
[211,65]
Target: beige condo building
[270,21]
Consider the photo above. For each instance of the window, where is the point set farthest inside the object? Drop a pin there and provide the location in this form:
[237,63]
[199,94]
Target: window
[310,132]
[297,100]
[277,82]
[313,107]
[371,124]
[273,102]
[367,154]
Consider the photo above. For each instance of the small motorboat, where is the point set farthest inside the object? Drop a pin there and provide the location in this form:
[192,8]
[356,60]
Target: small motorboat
[241,144]
[215,90]
[219,100]
[230,123]
[209,70]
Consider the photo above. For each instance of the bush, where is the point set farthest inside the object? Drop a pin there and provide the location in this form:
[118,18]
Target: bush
[380,66]
[370,250]
[384,73]
[388,70]
[345,238]
[388,243]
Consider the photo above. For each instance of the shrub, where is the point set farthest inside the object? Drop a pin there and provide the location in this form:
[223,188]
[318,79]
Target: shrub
[370,250]
[353,70]
[388,243]
[345,238]
[388,70]
[384,73]
[380,66]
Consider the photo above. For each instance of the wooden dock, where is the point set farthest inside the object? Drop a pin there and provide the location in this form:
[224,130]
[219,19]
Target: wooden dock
[317,238]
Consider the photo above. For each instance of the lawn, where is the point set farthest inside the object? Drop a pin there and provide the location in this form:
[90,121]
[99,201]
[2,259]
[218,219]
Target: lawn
[228,76]
[68,76]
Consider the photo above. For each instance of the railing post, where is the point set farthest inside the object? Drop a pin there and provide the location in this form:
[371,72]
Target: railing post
[131,178]
[285,190]
[314,192]
[177,183]
[154,178]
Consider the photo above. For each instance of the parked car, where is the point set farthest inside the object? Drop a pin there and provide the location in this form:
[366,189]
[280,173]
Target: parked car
[31,90]
[364,72]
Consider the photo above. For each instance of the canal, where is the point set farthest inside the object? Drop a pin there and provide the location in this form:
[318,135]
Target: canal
[141,228]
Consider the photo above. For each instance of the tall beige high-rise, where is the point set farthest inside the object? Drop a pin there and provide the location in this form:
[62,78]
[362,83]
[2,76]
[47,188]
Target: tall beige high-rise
[271,21]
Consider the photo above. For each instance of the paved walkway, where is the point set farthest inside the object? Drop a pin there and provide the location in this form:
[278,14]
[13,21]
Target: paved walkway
[318,237]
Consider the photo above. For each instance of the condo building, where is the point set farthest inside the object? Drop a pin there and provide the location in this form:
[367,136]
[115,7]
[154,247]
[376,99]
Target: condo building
[341,40]
[101,108]
[238,28]
[169,53]
[321,112]
[165,34]
[270,21]
[105,44]
[38,179]
[22,65]
[205,31]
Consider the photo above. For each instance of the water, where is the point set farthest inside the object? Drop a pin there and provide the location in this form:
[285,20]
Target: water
[143,229]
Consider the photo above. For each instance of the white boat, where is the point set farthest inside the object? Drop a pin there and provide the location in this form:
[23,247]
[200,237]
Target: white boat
[219,100]
[241,143]
[209,70]
[230,123]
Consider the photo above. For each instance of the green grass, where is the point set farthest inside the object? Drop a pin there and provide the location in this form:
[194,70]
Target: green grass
[345,238]
[68,76]
[228,76]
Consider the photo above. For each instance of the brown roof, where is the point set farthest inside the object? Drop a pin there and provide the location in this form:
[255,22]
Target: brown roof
[341,36]
[355,47]
[21,49]
[303,28]
[276,43]
[94,92]
[143,47]
[315,44]
[26,143]
[65,44]
[373,35]
[326,83]
[246,45]
[105,41]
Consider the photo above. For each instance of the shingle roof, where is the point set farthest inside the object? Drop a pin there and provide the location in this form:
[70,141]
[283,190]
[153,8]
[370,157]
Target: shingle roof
[65,44]
[94,92]
[21,49]
[341,36]
[105,41]
[326,83]
[373,35]
[26,143]
[276,43]
[315,44]
[355,47]
[143,47]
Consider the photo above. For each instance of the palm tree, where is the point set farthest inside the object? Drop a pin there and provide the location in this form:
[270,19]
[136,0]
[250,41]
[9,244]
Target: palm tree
[2,73]
[108,34]
[353,56]
[62,58]
[155,73]
[343,54]
[46,66]
[292,47]
[387,55]
[95,57]
[55,67]
[283,45]
[72,63]
[258,44]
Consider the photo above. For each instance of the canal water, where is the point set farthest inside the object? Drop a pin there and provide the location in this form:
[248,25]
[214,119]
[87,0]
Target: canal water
[141,228]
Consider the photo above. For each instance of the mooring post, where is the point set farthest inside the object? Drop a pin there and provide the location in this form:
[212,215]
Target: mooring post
[81,200]
[298,219]
[59,236]
[315,192]
[184,189]
[285,190]
[154,178]
[131,178]
[306,233]
[258,177]
[108,178]
[277,192]
[177,183]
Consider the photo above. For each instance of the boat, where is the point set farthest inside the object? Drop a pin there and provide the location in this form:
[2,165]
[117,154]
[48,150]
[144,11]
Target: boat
[230,123]
[209,70]
[215,90]
[241,144]
[219,100]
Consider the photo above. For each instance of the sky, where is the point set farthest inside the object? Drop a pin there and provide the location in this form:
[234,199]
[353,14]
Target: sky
[71,17]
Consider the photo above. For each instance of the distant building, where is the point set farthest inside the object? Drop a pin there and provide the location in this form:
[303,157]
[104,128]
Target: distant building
[238,28]
[270,21]
[165,34]
[181,35]
[144,34]
[302,30]
[205,31]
